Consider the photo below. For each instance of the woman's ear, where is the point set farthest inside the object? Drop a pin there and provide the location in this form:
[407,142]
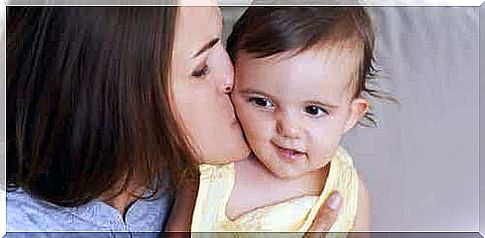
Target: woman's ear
[358,108]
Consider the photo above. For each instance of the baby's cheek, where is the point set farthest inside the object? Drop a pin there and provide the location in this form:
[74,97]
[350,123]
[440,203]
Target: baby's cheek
[258,134]
[242,111]
[247,120]
[258,129]
[327,145]
[250,124]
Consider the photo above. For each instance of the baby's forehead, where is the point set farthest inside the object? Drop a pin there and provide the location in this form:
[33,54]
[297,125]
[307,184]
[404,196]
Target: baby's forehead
[325,69]
[342,56]
[350,53]
[347,55]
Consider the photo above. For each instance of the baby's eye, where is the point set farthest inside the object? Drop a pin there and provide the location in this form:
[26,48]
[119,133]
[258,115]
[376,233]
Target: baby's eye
[262,102]
[315,111]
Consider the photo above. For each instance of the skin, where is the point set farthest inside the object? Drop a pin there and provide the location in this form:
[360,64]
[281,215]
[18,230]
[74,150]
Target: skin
[295,110]
[294,126]
[201,87]
[202,78]
[200,92]
[204,106]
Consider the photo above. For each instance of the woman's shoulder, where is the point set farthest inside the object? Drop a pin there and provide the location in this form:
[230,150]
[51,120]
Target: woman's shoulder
[26,213]
[19,198]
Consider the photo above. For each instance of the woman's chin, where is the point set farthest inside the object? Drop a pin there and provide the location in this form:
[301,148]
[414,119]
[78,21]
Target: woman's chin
[224,145]
[245,152]
[224,153]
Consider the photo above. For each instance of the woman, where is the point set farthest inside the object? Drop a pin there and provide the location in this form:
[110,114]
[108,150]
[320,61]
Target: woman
[108,104]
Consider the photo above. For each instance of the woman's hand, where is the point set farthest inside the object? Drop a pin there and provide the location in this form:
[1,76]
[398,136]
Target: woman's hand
[326,216]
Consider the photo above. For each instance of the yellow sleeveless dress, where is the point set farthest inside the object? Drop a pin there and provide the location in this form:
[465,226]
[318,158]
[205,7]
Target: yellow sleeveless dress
[295,215]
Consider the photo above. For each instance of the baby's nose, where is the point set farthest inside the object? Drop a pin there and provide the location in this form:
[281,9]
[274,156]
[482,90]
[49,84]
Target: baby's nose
[288,127]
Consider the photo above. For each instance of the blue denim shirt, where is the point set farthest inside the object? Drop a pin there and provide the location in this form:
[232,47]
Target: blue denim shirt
[27,214]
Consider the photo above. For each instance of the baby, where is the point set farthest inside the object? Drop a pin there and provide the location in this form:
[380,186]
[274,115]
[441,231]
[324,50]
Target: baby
[300,77]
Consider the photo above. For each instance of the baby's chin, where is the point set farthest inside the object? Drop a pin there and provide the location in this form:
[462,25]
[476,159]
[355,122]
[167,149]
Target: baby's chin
[291,171]
[284,171]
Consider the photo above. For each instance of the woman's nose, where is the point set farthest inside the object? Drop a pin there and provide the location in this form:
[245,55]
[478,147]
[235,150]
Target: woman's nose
[228,74]
[228,88]
[288,126]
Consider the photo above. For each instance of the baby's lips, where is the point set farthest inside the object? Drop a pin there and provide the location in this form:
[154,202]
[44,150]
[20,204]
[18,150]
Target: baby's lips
[295,150]
[289,145]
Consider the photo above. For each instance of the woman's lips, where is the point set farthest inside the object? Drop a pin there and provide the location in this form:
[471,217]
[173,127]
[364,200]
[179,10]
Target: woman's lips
[289,155]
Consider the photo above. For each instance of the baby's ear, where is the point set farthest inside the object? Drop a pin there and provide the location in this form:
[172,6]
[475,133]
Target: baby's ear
[358,108]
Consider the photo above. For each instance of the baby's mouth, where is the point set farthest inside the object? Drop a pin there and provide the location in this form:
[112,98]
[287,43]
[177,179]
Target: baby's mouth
[290,154]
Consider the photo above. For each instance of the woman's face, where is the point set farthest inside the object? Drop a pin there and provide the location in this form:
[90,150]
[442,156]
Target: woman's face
[202,78]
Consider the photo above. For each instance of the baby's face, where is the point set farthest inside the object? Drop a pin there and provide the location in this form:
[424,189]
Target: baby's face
[295,110]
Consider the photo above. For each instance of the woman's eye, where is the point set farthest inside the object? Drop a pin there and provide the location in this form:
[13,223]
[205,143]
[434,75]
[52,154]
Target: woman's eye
[200,73]
[315,111]
[262,102]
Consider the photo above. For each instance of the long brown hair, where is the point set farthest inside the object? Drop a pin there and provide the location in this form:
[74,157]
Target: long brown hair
[88,102]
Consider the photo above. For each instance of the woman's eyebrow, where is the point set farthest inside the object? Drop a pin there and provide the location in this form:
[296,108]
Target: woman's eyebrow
[207,46]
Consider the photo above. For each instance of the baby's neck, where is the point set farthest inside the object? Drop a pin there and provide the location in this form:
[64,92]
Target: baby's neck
[310,183]
[255,186]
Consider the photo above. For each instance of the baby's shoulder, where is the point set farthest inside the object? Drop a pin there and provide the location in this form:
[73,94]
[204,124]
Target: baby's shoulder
[343,175]
[344,157]
[220,172]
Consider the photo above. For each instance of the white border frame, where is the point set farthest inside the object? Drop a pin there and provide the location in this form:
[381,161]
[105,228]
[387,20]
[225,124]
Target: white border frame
[4,3]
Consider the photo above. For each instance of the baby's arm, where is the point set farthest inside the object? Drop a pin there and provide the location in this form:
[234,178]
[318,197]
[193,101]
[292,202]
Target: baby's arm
[362,219]
[183,207]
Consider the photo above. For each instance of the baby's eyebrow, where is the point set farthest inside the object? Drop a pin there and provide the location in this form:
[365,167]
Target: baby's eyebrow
[323,104]
[251,91]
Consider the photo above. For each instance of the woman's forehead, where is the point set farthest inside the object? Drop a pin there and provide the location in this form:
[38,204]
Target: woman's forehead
[198,25]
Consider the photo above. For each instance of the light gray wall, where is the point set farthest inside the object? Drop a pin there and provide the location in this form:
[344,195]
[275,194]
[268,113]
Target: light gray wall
[421,164]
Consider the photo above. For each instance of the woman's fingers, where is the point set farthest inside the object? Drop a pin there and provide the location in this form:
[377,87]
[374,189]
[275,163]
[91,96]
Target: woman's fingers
[326,216]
